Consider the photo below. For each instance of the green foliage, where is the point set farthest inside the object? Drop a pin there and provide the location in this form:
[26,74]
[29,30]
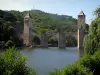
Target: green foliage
[97,11]
[92,40]
[8,28]
[91,62]
[88,44]
[57,72]
[9,43]
[53,41]
[46,22]
[74,69]
[51,22]
[13,63]
[87,27]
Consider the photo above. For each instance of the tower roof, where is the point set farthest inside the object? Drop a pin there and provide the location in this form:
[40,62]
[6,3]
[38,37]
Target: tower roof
[81,13]
[27,16]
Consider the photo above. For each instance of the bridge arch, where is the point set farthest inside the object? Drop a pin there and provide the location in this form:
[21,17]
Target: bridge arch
[52,41]
[36,40]
[71,41]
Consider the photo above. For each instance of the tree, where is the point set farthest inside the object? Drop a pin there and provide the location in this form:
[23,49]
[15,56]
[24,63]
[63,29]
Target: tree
[13,63]
[92,40]
[8,27]
[97,11]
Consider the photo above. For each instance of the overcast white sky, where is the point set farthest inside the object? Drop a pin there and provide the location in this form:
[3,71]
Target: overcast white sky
[65,7]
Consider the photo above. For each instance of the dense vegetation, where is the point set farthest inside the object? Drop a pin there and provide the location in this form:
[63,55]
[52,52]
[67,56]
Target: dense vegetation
[47,22]
[90,63]
[92,40]
[13,63]
[8,26]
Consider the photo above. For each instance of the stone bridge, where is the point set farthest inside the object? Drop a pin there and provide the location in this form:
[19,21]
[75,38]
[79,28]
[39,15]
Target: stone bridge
[79,35]
[56,35]
[61,37]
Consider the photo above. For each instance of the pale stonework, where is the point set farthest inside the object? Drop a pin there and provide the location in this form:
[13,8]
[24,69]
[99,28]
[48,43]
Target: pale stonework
[27,37]
[81,29]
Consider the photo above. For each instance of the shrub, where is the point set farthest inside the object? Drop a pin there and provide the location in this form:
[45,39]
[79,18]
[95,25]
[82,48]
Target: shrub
[57,72]
[91,62]
[53,40]
[9,43]
[13,63]
[74,69]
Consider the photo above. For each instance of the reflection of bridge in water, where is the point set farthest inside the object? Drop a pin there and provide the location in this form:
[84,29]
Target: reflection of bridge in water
[79,35]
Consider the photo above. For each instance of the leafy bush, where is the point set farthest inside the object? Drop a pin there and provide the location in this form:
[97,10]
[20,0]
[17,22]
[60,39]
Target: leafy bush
[74,69]
[53,40]
[9,43]
[13,63]
[91,62]
[57,72]
[89,44]
[92,40]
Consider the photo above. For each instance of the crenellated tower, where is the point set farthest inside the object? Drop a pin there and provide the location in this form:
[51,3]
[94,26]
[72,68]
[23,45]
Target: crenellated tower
[81,28]
[27,30]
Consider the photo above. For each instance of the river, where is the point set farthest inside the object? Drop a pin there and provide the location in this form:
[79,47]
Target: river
[44,60]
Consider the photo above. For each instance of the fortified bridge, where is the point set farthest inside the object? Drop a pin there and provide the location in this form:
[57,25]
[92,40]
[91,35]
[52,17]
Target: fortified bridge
[79,35]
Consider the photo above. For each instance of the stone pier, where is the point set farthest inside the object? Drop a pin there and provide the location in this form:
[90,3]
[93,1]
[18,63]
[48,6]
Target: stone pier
[81,29]
[80,37]
[61,40]
[44,40]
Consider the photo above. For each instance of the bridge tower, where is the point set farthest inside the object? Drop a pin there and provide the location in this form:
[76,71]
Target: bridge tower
[27,40]
[81,29]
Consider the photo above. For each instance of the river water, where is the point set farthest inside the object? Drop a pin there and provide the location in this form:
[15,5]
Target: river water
[44,60]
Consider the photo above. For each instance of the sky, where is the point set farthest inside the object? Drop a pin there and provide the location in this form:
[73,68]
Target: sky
[61,7]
